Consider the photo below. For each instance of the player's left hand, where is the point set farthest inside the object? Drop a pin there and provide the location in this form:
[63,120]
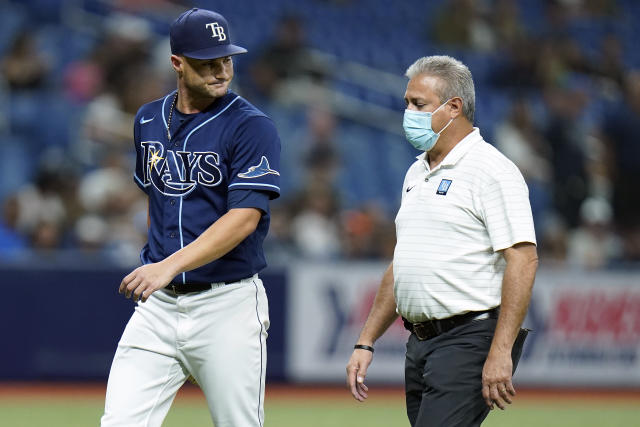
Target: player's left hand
[145,280]
[496,379]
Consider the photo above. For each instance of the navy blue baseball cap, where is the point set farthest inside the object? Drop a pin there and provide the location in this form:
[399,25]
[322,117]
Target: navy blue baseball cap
[202,34]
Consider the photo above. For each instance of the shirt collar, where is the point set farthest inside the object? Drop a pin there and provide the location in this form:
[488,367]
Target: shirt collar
[459,150]
[215,106]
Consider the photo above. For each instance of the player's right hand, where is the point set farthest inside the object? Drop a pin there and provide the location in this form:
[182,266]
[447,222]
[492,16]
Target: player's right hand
[145,280]
[356,373]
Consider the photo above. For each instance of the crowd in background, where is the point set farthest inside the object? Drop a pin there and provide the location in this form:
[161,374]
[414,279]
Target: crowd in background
[570,122]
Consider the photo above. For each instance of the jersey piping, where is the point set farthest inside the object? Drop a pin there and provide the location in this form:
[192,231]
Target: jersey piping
[184,147]
[255,184]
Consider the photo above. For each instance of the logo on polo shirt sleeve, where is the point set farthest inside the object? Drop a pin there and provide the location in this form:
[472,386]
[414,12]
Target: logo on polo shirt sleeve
[443,187]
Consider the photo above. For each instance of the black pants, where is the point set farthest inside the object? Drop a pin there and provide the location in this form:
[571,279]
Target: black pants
[443,375]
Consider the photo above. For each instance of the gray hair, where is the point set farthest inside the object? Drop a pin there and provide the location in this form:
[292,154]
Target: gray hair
[455,77]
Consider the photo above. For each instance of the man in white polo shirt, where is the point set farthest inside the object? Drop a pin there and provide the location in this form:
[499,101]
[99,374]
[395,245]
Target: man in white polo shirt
[464,263]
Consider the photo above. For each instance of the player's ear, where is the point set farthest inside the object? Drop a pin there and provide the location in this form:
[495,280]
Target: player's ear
[177,62]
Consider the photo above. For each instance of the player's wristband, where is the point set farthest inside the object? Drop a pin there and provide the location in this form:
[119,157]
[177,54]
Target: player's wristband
[363,347]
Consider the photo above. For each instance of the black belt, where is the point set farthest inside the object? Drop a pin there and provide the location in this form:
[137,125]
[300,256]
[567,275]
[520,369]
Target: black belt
[187,288]
[432,328]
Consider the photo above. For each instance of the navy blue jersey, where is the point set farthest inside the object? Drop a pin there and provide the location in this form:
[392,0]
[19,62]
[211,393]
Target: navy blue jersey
[231,145]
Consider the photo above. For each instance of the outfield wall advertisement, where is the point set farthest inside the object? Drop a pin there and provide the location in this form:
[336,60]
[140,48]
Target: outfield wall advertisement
[586,330]
[328,304]
[585,327]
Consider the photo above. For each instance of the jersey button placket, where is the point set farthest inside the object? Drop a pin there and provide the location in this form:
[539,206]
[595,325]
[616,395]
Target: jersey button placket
[172,235]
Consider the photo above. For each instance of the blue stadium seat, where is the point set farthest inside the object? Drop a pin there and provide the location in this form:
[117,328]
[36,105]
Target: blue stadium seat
[12,18]
[16,164]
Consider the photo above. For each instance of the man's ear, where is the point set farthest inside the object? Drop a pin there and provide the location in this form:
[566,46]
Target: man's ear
[456,106]
[177,62]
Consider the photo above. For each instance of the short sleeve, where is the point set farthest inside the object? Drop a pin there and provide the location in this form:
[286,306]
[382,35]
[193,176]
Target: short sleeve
[138,175]
[255,157]
[248,199]
[506,210]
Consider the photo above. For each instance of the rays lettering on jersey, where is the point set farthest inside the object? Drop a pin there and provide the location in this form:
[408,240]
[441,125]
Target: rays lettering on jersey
[178,173]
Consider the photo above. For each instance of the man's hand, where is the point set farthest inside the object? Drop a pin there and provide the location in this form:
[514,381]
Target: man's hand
[145,280]
[356,373]
[496,379]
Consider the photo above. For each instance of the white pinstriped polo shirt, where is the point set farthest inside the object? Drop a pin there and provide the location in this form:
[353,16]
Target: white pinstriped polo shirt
[452,222]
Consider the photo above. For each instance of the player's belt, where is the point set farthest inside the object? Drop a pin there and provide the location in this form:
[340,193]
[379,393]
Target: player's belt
[187,288]
[432,328]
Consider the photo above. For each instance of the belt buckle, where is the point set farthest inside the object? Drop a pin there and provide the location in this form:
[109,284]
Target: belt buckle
[425,330]
[173,289]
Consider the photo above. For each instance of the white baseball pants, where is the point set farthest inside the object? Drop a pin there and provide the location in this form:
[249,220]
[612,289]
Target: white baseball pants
[218,336]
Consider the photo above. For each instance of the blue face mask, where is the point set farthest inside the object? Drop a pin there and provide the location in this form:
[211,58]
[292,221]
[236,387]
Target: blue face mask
[417,128]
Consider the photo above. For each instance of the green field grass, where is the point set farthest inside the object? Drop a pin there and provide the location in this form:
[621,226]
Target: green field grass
[320,412]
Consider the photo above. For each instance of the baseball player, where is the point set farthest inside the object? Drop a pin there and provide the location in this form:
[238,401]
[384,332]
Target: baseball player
[208,161]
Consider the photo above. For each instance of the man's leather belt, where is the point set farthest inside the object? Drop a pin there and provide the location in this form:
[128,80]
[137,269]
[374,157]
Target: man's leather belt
[187,288]
[432,328]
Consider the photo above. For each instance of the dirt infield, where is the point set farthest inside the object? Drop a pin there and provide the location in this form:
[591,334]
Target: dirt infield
[54,390]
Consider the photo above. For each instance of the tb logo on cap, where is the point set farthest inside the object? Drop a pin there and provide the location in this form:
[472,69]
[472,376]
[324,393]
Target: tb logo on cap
[217,31]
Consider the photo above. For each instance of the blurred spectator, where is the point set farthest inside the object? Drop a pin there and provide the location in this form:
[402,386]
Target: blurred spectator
[520,139]
[127,45]
[553,241]
[610,62]
[557,17]
[40,203]
[279,244]
[519,68]
[367,234]
[554,61]
[108,123]
[286,60]
[309,153]
[506,24]
[568,138]
[591,8]
[315,228]
[106,126]
[91,233]
[107,190]
[593,244]
[84,79]
[109,202]
[24,67]
[541,62]
[462,24]
[47,235]
[11,241]
[621,129]
[321,157]
[357,232]
[111,82]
